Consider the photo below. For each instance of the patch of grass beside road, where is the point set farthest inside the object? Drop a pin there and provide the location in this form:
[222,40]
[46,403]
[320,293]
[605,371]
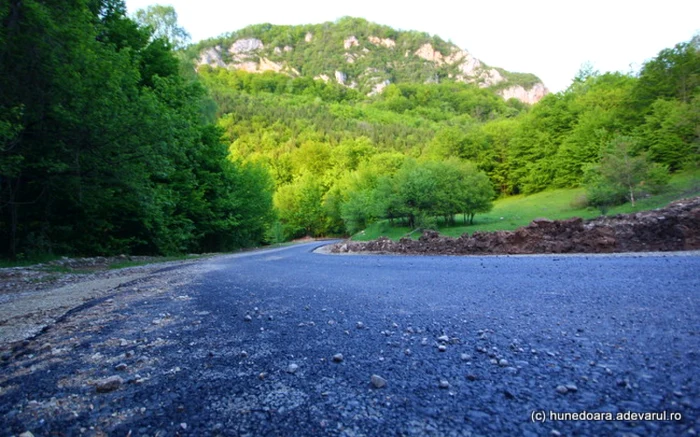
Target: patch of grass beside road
[515,211]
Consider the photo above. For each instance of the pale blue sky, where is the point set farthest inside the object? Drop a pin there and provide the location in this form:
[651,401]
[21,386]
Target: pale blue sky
[551,39]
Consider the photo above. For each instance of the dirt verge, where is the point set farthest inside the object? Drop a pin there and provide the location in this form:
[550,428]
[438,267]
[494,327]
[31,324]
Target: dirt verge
[673,228]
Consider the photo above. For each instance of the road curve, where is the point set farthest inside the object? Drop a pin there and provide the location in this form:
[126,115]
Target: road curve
[499,345]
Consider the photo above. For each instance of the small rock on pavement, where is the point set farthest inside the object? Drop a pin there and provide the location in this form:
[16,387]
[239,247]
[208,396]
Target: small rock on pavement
[562,389]
[248,318]
[571,387]
[378,381]
[120,367]
[26,434]
[338,358]
[442,348]
[292,368]
[444,384]
[360,325]
[443,338]
[108,384]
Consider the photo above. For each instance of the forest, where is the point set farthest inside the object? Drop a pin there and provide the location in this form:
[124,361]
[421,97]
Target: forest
[111,142]
[341,160]
[108,145]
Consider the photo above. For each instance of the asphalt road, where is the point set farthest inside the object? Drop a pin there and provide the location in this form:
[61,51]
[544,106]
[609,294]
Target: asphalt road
[467,346]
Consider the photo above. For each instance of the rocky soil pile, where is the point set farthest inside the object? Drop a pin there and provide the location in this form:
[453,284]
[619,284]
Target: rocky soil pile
[676,227]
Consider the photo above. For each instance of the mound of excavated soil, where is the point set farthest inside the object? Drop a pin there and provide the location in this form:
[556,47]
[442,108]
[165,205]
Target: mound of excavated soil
[676,227]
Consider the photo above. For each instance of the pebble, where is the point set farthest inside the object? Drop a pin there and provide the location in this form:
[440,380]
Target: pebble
[108,384]
[442,348]
[378,381]
[247,318]
[338,358]
[244,354]
[571,387]
[503,362]
[562,389]
[443,338]
[120,367]
[444,384]
[465,357]
[26,434]
[360,325]
[292,368]
[471,377]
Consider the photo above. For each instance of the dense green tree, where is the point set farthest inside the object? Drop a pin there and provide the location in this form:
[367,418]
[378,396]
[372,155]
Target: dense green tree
[621,171]
[103,145]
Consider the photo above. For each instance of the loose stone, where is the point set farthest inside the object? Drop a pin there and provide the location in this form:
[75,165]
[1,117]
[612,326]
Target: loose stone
[444,384]
[562,389]
[378,381]
[248,318]
[338,358]
[503,362]
[108,384]
[120,367]
[442,348]
[443,338]
[292,368]
[360,325]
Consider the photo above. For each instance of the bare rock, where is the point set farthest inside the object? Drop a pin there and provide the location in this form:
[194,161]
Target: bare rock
[377,381]
[108,384]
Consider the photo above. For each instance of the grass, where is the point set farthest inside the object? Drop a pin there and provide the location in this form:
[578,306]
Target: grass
[513,212]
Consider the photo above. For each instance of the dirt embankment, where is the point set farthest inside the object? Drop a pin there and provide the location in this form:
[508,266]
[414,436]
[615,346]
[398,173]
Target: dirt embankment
[676,227]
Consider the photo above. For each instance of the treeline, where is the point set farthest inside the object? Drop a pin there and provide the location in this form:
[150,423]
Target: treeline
[332,151]
[105,145]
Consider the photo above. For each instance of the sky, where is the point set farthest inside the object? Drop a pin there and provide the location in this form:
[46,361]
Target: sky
[550,38]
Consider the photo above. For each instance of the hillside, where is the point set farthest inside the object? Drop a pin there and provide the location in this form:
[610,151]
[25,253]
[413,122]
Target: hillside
[360,55]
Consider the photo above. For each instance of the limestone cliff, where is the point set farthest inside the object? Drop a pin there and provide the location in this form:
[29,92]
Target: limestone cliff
[362,55]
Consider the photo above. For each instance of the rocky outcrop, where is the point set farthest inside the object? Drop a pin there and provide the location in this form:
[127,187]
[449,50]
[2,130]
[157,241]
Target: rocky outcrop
[532,95]
[251,55]
[246,46]
[676,227]
[212,57]
[351,42]
[471,69]
[385,42]
[340,77]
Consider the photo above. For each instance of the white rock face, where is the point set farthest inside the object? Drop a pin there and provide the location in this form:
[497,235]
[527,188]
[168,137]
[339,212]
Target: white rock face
[268,65]
[350,42]
[427,52]
[378,88]
[532,95]
[246,46]
[341,77]
[212,56]
[386,42]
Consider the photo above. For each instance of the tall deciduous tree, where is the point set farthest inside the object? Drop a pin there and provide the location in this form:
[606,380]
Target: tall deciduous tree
[163,22]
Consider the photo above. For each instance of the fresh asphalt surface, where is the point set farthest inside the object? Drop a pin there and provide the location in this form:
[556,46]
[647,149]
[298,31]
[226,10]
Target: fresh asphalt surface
[620,331]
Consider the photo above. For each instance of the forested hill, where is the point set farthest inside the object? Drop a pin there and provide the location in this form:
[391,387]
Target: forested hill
[361,55]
